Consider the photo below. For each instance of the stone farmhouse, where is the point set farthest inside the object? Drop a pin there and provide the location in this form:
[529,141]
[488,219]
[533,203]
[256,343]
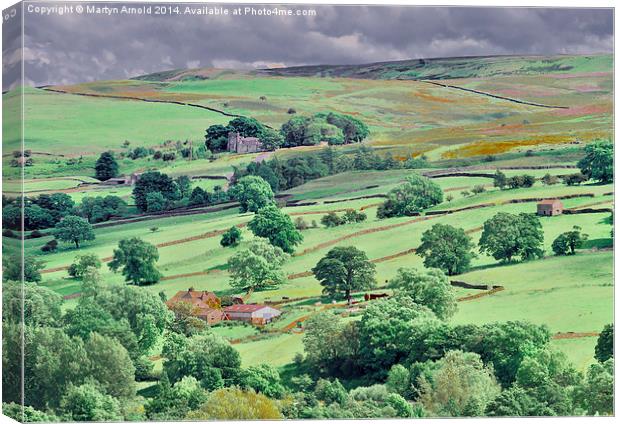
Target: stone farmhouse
[549,207]
[207,305]
[239,144]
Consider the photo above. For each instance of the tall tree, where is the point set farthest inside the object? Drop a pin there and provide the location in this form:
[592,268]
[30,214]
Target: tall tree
[566,243]
[505,236]
[12,268]
[430,288]
[257,267]
[271,223]
[137,259]
[598,162]
[343,270]
[460,386]
[604,348]
[252,193]
[74,229]
[410,198]
[151,182]
[87,403]
[106,167]
[446,248]
[216,138]
[395,330]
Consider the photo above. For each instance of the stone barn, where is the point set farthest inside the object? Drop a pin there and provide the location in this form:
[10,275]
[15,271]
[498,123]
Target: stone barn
[549,207]
[239,144]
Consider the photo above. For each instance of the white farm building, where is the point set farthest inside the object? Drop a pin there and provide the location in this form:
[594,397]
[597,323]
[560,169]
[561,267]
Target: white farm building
[254,314]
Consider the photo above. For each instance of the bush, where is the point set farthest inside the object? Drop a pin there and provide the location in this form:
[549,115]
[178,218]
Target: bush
[301,224]
[50,246]
[36,234]
[477,189]
[574,179]
[331,220]
[169,156]
[231,238]
[291,111]
[352,216]
[8,233]
[549,179]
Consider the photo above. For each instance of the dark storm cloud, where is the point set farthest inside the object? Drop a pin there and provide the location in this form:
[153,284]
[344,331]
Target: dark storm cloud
[74,48]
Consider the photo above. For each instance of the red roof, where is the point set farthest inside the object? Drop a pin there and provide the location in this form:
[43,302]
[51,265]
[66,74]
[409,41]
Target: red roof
[245,308]
[549,202]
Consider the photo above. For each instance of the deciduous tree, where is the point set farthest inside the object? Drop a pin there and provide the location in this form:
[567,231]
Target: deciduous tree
[252,193]
[446,248]
[276,226]
[431,289]
[410,198]
[257,267]
[343,270]
[136,260]
[74,229]
[598,162]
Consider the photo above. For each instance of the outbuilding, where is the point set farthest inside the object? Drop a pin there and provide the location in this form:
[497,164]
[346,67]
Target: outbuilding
[254,314]
[550,207]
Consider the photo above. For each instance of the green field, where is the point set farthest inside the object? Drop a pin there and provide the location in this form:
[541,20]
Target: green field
[569,294]
[407,117]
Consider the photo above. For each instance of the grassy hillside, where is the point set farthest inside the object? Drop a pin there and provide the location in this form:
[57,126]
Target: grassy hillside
[570,294]
[433,69]
[407,114]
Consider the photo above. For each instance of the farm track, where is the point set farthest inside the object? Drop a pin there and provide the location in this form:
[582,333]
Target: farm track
[495,96]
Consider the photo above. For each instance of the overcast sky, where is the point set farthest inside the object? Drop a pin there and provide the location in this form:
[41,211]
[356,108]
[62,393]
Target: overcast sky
[80,47]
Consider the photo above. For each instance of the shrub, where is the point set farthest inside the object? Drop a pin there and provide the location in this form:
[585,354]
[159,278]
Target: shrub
[36,234]
[50,246]
[301,224]
[231,238]
[291,111]
[169,156]
[477,189]
[574,179]
[549,179]
[8,233]
[351,216]
[331,220]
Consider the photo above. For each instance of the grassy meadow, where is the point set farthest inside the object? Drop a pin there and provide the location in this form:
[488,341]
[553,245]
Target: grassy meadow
[407,117]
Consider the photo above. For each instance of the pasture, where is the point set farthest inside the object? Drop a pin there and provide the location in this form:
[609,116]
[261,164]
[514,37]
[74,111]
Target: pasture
[568,294]
[409,114]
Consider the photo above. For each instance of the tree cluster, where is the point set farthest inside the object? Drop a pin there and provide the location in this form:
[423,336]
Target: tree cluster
[331,127]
